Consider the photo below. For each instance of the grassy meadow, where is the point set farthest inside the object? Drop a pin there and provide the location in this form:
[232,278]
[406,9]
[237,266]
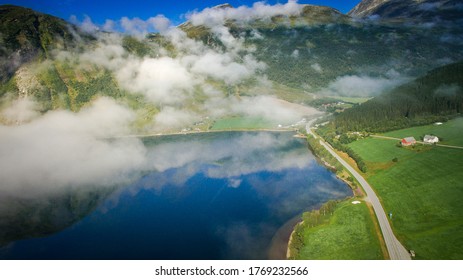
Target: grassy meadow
[450,133]
[349,234]
[422,188]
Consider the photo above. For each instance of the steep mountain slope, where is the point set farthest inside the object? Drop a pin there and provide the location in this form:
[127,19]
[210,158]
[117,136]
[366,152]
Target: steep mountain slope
[434,97]
[313,49]
[316,50]
[366,7]
[26,35]
[411,10]
[30,67]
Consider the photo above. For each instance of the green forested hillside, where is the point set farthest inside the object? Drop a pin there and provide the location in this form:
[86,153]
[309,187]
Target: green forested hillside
[314,54]
[305,54]
[26,35]
[434,97]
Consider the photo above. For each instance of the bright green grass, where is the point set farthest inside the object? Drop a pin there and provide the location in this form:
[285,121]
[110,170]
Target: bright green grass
[423,190]
[451,132]
[242,123]
[380,150]
[349,235]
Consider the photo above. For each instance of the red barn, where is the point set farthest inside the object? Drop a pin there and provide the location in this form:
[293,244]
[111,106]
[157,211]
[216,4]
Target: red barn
[408,141]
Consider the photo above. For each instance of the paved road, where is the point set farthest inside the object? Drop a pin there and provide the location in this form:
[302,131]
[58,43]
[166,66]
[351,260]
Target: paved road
[394,247]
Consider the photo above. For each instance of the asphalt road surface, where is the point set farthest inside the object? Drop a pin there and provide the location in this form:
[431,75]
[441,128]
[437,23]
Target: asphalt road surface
[396,250]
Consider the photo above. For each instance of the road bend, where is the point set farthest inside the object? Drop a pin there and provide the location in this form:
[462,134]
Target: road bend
[396,250]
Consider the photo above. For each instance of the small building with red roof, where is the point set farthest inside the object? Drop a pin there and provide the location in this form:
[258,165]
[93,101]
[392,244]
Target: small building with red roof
[408,141]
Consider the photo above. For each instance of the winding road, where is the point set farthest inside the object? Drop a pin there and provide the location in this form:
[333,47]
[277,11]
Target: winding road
[396,250]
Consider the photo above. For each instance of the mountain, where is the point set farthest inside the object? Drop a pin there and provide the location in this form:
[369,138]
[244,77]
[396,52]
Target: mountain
[22,218]
[311,53]
[29,67]
[366,7]
[312,50]
[450,11]
[433,97]
[26,35]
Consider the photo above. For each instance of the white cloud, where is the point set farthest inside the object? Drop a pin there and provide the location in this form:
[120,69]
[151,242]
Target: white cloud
[316,67]
[160,23]
[260,10]
[86,25]
[295,54]
[172,118]
[109,25]
[63,149]
[272,109]
[133,26]
[445,90]
[223,67]
[235,156]
[362,85]
[21,110]
[166,80]
[163,79]
[138,27]
[256,35]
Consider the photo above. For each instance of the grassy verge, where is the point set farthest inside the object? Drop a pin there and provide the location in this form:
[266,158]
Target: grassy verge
[422,188]
[347,233]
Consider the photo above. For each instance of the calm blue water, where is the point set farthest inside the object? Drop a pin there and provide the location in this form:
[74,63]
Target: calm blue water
[208,196]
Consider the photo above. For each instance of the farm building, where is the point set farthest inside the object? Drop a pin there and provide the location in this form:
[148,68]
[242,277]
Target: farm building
[408,141]
[430,139]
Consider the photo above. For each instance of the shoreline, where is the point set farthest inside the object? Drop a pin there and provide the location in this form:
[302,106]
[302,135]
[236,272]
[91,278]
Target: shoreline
[331,169]
[161,134]
[318,159]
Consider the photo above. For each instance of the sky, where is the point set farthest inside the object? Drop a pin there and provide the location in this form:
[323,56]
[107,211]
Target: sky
[173,9]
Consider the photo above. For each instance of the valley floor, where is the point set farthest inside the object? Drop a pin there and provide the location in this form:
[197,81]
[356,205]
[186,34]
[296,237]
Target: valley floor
[421,189]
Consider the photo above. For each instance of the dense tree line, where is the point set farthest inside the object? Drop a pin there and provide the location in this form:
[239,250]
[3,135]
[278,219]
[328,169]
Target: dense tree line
[323,154]
[435,97]
[339,142]
[309,220]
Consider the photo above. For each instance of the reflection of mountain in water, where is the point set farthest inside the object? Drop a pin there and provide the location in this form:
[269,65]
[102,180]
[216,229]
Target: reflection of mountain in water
[22,218]
[202,196]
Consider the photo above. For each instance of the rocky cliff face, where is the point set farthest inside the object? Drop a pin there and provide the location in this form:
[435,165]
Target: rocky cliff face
[366,7]
[421,11]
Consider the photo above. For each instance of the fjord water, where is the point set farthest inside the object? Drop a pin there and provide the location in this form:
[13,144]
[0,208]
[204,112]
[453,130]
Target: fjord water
[204,196]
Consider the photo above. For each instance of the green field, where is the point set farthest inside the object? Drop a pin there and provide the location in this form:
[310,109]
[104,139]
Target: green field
[234,123]
[349,234]
[450,132]
[423,189]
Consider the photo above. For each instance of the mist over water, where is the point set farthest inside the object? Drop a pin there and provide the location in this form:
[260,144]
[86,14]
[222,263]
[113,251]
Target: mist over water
[204,196]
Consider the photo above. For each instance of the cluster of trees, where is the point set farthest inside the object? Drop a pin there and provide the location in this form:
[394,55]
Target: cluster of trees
[346,149]
[62,89]
[309,220]
[323,154]
[340,143]
[435,97]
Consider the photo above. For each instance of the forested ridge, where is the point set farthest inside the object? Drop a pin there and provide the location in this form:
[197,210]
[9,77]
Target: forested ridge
[436,96]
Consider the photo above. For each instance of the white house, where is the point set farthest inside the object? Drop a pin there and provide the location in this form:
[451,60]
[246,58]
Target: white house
[430,139]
